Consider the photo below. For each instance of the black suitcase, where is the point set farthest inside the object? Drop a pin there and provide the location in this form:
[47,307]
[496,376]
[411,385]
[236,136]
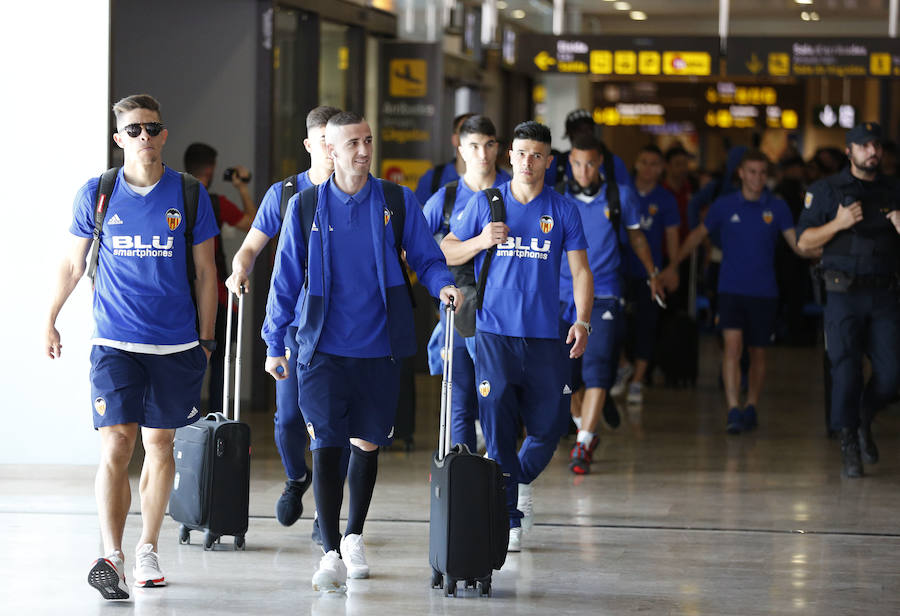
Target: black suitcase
[211,491]
[469,527]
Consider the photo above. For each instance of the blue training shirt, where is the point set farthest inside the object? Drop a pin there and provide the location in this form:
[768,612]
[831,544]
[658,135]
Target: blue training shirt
[658,211]
[434,207]
[521,296]
[423,188]
[141,290]
[748,230]
[603,252]
[268,216]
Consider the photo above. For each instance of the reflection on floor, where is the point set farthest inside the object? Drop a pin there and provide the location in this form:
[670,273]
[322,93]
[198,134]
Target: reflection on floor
[677,518]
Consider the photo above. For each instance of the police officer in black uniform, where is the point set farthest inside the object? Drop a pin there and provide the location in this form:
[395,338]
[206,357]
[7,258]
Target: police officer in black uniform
[854,216]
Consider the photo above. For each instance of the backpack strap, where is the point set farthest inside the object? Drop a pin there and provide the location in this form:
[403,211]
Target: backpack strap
[396,204]
[498,214]
[436,177]
[309,199]
[288,190]
[101,203]
[190,187]
[449,202]
[613,199]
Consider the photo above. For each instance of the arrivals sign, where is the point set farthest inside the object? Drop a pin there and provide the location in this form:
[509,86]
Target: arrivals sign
[648,56]
[813,57]
[411,77]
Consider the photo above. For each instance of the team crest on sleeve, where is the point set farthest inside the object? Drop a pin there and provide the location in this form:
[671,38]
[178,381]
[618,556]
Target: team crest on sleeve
[173,218]
[100,406]
[484,388]
[653,209]
[767,217]
[807,200]
[546,223]
[387,216]
[311,430]
[606,212]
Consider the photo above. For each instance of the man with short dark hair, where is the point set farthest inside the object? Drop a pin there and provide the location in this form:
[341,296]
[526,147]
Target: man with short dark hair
[200,161]
[748,223]
[290,429]
[147,361]
[345,287]
[517,335]
[446,172]
[853,217]
[478,148]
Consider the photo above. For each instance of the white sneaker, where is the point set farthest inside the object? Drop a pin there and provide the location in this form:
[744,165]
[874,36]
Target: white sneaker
[147,573]
[623,374]
[331,576]
[525,504]
[515,540]
[353,553]
[635,393]
[108,577]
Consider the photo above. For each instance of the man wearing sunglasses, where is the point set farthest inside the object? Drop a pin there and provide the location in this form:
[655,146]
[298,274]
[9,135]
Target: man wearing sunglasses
[147,361]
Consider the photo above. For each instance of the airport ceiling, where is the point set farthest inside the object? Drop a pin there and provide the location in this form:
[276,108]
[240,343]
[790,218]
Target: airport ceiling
[701,17]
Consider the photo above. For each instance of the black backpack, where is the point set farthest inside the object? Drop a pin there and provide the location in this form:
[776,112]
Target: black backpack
[498,214]
[288,190]
[393,195]
[464,274]
[191,194]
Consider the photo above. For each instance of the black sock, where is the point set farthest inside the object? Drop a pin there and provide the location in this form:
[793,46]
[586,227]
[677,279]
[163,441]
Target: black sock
[361,473]
[328,486]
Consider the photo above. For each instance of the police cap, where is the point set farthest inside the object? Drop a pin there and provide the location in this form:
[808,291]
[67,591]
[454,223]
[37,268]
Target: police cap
[862,134]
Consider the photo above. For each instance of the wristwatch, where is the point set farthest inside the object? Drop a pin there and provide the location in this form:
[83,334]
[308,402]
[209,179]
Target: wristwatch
[585,325]
[209,345]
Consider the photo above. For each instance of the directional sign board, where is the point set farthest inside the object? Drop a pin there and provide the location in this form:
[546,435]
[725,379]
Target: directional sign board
[813,57]
[617,55]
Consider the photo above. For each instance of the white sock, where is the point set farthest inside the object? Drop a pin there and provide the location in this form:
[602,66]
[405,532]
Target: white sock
[577,421]
[585,437]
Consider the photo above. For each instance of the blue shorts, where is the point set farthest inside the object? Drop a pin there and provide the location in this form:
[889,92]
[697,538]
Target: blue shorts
[348,397]
[155,391]
[601,357]
[755,316]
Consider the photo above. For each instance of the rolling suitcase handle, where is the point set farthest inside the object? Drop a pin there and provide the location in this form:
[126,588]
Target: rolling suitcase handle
[447,382]
[226,394]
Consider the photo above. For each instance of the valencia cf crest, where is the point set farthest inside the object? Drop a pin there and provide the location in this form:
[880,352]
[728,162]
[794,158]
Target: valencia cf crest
[387,216]
[807,200]
[100,406]
[767,217]
[546,223]
[484,388]
[653,209]
[606,212]
[173,217]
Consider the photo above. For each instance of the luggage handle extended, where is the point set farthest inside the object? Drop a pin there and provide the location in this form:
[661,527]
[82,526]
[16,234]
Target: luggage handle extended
[447,382]
[226,394]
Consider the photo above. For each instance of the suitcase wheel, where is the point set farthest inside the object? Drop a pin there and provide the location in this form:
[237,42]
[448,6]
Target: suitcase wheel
[437,579]
[184,535]
[209,540]
[450,587]
[485,588]
[239,543]
[470,584]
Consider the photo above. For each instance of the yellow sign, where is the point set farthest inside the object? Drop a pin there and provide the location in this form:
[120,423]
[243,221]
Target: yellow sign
[625,62]
[539,94]
[648,62]
[601,62]
[408,77]
[404,171]
[343,58]
[686,63]
[789,119]
[779,64]
[544,61]
[880,63]
[754,65]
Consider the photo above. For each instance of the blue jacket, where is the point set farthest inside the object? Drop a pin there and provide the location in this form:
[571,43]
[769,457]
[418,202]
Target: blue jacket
[301,278]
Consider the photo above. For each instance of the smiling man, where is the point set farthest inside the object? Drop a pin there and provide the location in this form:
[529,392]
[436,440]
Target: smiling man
[338,269]
[147,363]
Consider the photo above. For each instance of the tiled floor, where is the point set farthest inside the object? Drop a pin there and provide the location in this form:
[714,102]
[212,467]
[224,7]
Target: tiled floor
[678,518]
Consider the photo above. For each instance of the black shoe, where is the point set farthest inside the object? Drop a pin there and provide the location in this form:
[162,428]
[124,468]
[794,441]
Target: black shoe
[850,457]
[867,445]
[289,507]
[316,532]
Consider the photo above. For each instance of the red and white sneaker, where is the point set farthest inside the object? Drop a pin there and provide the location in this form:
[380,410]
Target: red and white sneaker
[147,573]
[107,576]
[581,456]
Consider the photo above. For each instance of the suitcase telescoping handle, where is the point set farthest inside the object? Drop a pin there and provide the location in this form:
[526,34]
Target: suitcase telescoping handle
[447,382]
[226,394]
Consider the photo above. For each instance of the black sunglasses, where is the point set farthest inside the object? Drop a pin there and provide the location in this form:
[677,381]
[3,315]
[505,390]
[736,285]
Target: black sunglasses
[134,130]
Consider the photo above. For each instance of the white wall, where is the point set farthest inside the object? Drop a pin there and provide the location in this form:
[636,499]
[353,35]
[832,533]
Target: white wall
[54,109]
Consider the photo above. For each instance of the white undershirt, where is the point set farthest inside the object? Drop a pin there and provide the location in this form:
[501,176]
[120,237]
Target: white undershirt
[142,190]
